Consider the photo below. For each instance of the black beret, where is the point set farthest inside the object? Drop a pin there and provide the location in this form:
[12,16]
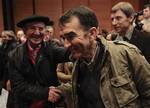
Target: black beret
[33,18]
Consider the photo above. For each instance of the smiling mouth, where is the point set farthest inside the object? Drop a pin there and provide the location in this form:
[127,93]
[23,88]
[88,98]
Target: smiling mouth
[117,27]
[37,37]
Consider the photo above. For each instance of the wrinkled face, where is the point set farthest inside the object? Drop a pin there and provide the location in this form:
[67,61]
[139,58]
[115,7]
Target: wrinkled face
[146,12]
[76,38]
[35,32]
[120,22]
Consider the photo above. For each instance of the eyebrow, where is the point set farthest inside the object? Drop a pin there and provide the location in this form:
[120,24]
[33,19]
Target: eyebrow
[70,33]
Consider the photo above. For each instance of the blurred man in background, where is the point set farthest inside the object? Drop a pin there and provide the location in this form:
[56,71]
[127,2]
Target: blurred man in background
[122,15]
[146,20]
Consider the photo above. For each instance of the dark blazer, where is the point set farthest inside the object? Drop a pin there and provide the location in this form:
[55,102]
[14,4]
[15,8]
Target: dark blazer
[142,41]
[31,82]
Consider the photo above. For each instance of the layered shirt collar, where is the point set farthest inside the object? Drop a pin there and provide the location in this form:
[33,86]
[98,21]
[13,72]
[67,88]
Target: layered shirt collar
[127,36]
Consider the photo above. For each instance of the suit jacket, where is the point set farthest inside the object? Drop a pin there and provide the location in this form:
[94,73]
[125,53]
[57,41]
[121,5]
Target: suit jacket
[142,41]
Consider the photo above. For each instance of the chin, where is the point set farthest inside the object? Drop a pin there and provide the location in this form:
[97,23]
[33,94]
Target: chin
[36,42]
[76,56]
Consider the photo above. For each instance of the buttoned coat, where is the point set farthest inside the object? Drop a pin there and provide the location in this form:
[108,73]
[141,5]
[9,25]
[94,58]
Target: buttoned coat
[31,82]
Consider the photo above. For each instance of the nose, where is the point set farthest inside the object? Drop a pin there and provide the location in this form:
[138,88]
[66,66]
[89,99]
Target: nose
[67,44]
[37,31]
[114,22]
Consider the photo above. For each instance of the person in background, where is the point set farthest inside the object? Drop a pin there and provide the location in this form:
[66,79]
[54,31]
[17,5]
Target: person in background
[8,37]
[122,15]
[64,73]
[49,32]
[33,67]
[146,20]
[1,68]
[1,41]
[138,17]
[106,74]
[21,36]
[8,43]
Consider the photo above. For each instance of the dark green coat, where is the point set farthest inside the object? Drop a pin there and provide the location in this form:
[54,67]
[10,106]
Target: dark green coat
[124,80]
[31,82]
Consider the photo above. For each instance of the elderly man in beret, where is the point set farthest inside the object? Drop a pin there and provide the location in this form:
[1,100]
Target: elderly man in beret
[33,67]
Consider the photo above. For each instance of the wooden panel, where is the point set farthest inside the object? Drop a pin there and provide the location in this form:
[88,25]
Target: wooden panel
[135,3]
[100,7]
[55,8]
[67,4]
[50,8]
[22,8]
[142,3]
[102,10]
[1,17]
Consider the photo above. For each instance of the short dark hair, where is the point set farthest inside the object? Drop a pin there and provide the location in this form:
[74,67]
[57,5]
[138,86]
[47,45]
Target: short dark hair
[125,7]
[147,5]
[86,17]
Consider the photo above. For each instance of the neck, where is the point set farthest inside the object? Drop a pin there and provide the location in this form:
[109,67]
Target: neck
[123,33]
[90,53]
[32,45]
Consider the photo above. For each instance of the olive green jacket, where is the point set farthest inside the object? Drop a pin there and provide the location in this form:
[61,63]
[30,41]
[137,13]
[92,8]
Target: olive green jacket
[124,80]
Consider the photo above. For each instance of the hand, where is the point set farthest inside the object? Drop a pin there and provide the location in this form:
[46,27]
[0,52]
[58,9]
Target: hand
[54,94]
[8,85]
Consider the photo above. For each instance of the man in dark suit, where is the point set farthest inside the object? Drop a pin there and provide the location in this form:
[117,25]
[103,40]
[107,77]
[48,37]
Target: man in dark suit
[122,15]
[33,67]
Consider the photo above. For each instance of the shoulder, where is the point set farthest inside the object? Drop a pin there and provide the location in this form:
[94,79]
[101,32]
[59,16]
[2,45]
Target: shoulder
[117,46]
[16,51]
[122,47]
[124,44]
[115,43]
[141,34]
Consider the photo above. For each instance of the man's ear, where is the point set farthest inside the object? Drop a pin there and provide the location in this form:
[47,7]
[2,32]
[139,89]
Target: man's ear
[131,18]
[94,32]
